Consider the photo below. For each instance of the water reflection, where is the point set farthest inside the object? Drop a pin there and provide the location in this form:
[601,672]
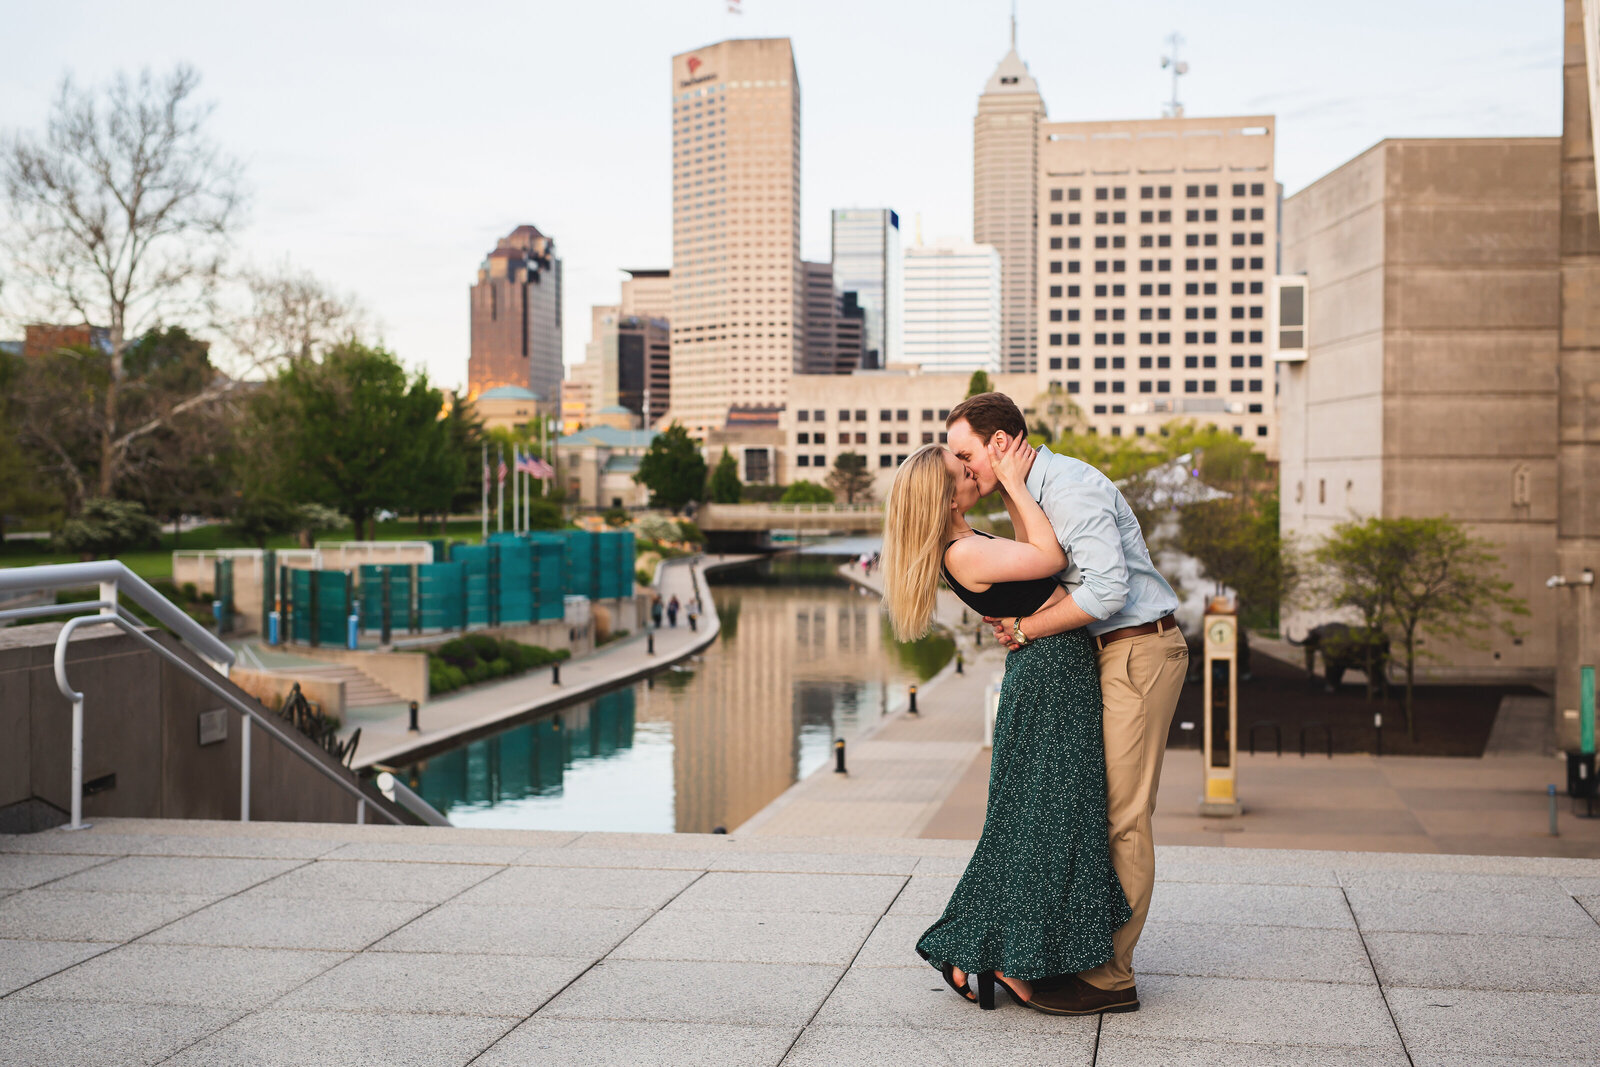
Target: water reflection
[804,657]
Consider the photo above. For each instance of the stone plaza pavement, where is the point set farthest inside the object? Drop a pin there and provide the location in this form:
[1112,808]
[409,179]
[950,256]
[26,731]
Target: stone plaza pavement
[142,942]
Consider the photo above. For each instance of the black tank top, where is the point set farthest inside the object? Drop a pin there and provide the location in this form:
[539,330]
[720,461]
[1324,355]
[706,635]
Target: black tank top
[1001,598]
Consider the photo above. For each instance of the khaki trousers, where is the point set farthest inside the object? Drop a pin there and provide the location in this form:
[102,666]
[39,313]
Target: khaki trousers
[1140,679]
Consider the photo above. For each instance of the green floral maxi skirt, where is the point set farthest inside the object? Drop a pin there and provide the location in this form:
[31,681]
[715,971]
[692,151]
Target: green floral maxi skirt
[1040,896]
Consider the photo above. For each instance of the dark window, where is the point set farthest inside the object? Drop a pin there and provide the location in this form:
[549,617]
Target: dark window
[884,438]
[1072,315]
[819,416]
[1255,337]
[1145,386]
[902,438]
[1099,387]
[1147,265]
[886,460]
[1192,215]
[1163,338]
[1163,362]
[1072,387]
[1119,193]
[1255,385]
[1117,387]
[1255,409]
[802,439]
[1055,194]
[1072,267]
[1163,264]
[1191,362]
[1258,214]
[1072,362]
[1191,386]
[1255,312]
[1191,337]
[1099,409]
[1163,216]
[803,416]
[1055,362]
[1099,338]
[927,414]
[1258,189]
[1145,362]
[1147,217]
[1238,214]
[802,461]
[1119,362]
[1055,292]
[1211,190]
[1192,191]
[1055,339]
[1235,361]
[1073,218]
[1101,193]
[861,415]
[944,413]
[1146,289]
[1258,238]
[1055,266]
[1261,431]
[1191,264]
[1055,218]
[1256,263]
[844,415]
[1072,338]
[1055,315]
[1147,192]
[1165,193]
[1191,313]
[1119,217]
[927,437]
[883,415]
[1238,263]
[1238,313]
[1236,386]
[1238,190]
[1055,243]
[1255,361]
[1163,387]
[1073,242]
[1208,386]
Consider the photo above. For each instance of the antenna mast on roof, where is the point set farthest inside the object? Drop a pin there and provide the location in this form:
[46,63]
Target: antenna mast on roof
[1173,109]
[1013,25]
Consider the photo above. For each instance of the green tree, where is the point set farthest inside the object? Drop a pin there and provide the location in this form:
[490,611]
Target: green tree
[349,430]
[103,528]
[673,469]
[725,485]
[1236,542]
[804,492]
[24,495]
[979,383]
[1419,577]
[850,478]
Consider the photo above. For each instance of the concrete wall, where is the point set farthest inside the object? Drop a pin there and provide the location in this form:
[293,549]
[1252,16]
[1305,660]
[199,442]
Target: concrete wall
[1578,411]
[271,689]
[141,724]
[1431,382]
[405,674]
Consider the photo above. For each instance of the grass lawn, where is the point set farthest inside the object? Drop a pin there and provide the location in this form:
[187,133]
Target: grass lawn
[151,564]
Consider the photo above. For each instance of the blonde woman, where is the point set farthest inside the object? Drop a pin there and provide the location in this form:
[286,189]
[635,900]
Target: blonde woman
[1040,897]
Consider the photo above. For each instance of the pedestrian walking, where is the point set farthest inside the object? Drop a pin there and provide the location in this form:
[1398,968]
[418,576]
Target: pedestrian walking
[655,609]
[672,612]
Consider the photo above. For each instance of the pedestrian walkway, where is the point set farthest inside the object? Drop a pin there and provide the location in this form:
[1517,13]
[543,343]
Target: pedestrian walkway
[195,943]
[900,774]
[454,718]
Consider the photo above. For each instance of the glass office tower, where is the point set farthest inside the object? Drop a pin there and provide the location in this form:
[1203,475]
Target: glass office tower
[866,261]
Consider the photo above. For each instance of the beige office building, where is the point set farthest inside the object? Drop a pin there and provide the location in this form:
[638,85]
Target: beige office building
[1005,170]
[737,314]
[884,415]
[647,294]
[1428,383]
[1157,248]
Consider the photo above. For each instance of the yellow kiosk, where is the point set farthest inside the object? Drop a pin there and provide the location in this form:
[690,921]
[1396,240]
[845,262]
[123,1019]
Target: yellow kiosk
[1221,736]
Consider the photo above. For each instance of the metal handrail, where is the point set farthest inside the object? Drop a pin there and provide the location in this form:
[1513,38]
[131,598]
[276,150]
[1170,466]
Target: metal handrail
[110,575]
[390,785]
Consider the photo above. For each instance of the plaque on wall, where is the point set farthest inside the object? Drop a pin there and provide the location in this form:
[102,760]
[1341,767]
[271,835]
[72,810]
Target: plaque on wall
[213,726]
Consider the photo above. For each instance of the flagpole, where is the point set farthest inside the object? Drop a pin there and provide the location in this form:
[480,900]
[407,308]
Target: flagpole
[516,488]
[500,491]
[485,508]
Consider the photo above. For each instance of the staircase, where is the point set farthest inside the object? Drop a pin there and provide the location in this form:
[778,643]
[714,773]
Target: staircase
[360,691]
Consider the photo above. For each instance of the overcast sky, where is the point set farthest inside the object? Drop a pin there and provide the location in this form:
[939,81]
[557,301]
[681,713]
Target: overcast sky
[389,145]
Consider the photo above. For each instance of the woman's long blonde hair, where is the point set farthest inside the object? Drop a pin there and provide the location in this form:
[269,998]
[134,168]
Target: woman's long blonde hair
[914,525]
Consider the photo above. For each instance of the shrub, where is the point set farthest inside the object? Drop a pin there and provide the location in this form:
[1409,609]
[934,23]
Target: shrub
[458,653]
[804,492]
[483,646]
[617,517]
[688,531]
[499,668]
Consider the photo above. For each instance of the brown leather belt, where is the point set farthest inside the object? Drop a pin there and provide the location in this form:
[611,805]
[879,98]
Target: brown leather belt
[1161,625]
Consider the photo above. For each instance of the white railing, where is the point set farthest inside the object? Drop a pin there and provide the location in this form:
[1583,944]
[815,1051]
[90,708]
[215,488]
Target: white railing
[115,580]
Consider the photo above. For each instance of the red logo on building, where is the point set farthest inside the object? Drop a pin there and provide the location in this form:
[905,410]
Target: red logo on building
[694,65]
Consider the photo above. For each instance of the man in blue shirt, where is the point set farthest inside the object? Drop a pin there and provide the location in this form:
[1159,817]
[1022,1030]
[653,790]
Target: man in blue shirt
[1126,606]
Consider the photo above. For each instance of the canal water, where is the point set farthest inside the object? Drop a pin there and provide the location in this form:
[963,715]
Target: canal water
[804,657]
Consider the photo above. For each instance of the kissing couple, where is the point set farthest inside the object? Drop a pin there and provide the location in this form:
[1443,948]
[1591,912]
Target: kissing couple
[1057,891]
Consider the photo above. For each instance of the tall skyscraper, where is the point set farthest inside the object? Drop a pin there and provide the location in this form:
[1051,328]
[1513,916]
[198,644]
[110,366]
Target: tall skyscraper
[1158,244]
[1005,169]
[866,261]
[626,364]
[954,308]
[516,317]
[647,293]
[833,324]
[737,302]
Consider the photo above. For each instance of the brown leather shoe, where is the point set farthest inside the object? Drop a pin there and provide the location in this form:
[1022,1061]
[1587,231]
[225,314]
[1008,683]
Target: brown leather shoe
[1077,997]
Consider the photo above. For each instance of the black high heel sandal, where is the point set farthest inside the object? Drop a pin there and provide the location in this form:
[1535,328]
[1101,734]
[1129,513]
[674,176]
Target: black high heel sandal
[950,980]
[987,980]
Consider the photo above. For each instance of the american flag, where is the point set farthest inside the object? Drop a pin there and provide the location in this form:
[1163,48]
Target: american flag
[533,465]
[502,475]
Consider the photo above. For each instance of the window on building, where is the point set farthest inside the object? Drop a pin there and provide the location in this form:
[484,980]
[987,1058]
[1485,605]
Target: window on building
[902,415]
[861,415]
[884,439]
[1147,192]
[802,439]
[802,461]
[1055,339]
[844,415]
[1099,409]
[927,437]
[861,438]
[1055,292]
[1191,386]
[927,414]
[1099,362]
[1261,431]
[1055,218]
[902,438]
[802,416]
[1255,361]
[1192,192]
[1055,243]
[1074,218]
[1258,189]
[1258,214]
[885,460]
[1255,385]
[1099,387]
[1163,387]
[1101,193]
[1072,292]
[819,416]
[1236,386]
[883,415]
[1208,386]
[1208,361]
[1055,194]
[1192,362]
[1074,243]
[1163,362]
[1073,362]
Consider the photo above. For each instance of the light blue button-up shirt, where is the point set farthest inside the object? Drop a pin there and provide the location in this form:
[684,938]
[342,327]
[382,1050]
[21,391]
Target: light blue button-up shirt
[1108,574]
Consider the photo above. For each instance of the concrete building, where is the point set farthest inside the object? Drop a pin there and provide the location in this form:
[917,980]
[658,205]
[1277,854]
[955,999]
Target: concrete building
[1157,243]
[42,339]
[754,436]
[627,364]
[598,464]
[866,262]
[507,407]
[883,415]
[647,293]
[1578,404]
[834,324]
[737,313]
[1005,176]
[1428,382]
[516,318]
[953,308]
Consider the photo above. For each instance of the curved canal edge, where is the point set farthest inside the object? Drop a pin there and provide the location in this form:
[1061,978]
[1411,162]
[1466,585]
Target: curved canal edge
[485,709]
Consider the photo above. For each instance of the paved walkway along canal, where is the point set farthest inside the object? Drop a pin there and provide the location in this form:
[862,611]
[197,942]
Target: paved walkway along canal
[449,718]
[189,943]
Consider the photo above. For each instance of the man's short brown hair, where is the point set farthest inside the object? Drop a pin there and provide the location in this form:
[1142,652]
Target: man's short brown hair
[989,413]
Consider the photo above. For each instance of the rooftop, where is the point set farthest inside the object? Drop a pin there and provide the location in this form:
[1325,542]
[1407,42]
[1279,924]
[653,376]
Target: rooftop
[310,944]
[608,437]
[509,392]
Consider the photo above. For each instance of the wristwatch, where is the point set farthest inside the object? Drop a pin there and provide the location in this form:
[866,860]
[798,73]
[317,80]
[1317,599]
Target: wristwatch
[1016,630]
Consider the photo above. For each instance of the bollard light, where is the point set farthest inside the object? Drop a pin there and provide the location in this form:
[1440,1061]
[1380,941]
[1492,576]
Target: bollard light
[555,674]
[838,756]
[650,643]
[913,700]
[1555,831]
[1377,726]
[413,728]
[958,663]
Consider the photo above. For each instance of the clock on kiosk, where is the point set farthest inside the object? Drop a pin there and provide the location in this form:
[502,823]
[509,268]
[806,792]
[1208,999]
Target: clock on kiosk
[1221,702]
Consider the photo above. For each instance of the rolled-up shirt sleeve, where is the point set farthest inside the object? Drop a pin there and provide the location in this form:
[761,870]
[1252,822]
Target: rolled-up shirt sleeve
[1085,523]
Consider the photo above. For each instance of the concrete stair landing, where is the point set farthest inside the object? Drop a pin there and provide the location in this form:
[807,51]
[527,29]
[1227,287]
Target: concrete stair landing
[194,943]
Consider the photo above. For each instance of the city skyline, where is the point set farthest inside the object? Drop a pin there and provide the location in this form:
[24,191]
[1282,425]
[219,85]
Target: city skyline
[332,163]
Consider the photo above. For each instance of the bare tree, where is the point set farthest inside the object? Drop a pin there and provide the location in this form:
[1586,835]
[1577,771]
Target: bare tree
[286,314]
[122,209]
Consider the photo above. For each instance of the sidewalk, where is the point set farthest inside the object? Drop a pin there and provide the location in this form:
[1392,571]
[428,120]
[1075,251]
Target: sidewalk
[901,773]
[452,719]
[197,943]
